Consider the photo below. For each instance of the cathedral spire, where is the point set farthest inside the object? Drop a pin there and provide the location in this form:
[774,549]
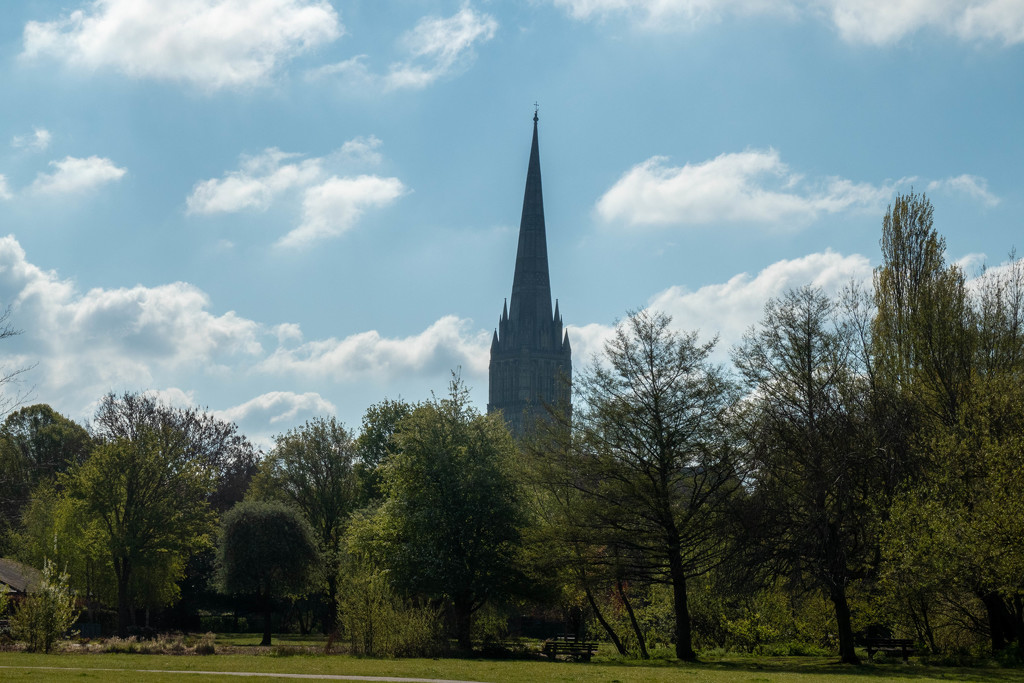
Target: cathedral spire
[531,286]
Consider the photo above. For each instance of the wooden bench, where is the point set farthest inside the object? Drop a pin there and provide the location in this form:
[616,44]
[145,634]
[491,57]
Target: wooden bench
[890,646]
[568,645]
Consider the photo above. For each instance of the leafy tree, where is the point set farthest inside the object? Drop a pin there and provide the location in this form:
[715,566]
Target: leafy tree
[954,354]
[814,466]
[376,442]
[649,462]
[267,549]
[36,444]
[312,468]
[449,528]
[47,613]
[203,439]
[151,503]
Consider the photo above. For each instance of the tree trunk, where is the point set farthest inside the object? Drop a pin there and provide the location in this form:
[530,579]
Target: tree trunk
[604,624]
[994,609]
[124,610]
[632,620]
[265,598]
[847,651]
[331,617]
[462,610]
[684,638]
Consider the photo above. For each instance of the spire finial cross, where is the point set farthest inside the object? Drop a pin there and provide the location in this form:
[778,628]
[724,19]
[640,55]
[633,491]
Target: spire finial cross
[536,108]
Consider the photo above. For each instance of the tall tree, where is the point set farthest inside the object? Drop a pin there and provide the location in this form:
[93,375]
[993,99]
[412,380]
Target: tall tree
[650,458]
[312,468]
[203,438]
[151,502]
[814,467]
[36,444]
[268,549]
[450,525]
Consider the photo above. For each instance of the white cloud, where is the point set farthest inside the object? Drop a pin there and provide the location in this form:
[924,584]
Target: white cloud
[210,43]
[330,205]
[5,192]
[671,14]
[331,208]
[882,22]
[449,343]
[275,407]
[77,175]
[437,47]
[88,343]
[746,187]
[971,185]
[729,308]
[38,141]
[255,185]
[875,22]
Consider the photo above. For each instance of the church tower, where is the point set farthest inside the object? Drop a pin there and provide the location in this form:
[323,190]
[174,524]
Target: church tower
[531,362]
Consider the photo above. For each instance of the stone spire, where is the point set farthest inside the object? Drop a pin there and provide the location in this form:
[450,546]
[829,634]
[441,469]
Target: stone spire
[531,363]
[531,286]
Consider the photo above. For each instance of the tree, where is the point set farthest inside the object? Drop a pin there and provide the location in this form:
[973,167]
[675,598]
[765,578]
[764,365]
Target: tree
[814,466]
[151,502]
[267,549]
[954,354]
[203,438]
[312,468]
[376,442]
[47,613]
[36,444]
[450,524]
[650,461]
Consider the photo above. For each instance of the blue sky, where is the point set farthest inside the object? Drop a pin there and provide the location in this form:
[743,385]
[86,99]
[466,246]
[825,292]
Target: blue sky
[285,208]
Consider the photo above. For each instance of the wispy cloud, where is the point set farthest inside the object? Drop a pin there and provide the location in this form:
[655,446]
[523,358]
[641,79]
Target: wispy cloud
[256,184]
[745,187]
[210,43]
[334,206]
[74,175]
[331,203]
[973,186]
[436,47]
[38,141]
[5,191]
[873,22]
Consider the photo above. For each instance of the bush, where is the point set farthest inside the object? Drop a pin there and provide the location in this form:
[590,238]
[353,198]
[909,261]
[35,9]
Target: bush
[378,622]
[47,613]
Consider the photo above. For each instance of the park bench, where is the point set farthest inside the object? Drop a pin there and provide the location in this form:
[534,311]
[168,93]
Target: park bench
[576,650]
[890,646]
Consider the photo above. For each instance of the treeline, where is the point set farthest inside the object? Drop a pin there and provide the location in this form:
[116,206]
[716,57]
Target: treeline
[857,471]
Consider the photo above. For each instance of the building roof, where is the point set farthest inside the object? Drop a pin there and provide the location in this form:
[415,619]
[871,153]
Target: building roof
[18,577]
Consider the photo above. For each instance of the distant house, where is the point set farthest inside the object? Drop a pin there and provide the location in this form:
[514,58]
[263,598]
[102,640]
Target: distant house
[18,578]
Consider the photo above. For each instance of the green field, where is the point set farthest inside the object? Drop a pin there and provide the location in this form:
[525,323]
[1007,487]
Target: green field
[17,666]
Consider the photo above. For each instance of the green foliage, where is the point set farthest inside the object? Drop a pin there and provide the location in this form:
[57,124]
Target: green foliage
[36,444]
[648,465]
[46,613]
[449,528]
[813,454]
[376,442]
[265,548]
[313,469]
[379,623]
[149,504]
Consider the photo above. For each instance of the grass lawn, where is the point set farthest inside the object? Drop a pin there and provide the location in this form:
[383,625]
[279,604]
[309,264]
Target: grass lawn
[18,666]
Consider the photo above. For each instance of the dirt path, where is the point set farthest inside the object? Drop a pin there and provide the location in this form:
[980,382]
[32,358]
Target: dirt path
[250,674]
